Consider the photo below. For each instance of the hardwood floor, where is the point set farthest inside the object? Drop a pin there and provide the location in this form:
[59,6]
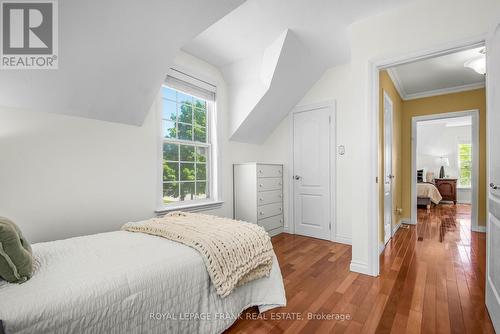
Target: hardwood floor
[432,280]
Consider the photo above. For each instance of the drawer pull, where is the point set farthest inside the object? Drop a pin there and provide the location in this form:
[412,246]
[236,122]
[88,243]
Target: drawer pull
[280,195]
[281,220]
[279,183]
[261,199]
[260,185]
[261,213]
[260,171]
[279,171]
[281,209]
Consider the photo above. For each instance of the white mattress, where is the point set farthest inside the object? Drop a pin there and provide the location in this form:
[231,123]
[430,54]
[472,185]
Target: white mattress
[429,190]
[114,282]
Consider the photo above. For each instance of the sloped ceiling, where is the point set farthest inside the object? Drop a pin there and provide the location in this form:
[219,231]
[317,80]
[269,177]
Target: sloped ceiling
[113,56]
[315,39]
[285,61]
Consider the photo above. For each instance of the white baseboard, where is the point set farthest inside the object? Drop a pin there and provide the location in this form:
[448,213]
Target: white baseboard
[406,221]
[396,228]
[381,248]
[275,232]
[360,267]
[481,229]
[342,239]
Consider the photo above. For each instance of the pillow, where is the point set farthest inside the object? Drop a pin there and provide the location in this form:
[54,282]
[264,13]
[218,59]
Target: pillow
[16,262]
[420,175]
[429,177]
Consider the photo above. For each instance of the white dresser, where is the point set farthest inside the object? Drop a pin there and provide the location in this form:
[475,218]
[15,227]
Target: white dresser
[258,195]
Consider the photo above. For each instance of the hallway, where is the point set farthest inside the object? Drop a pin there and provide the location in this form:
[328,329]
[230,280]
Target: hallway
[439,269]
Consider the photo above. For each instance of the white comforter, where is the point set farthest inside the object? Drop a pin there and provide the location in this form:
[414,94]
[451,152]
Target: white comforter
[429,190]
[122,282]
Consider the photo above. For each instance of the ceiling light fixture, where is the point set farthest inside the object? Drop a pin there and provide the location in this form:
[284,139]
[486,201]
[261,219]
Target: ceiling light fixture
[478,63]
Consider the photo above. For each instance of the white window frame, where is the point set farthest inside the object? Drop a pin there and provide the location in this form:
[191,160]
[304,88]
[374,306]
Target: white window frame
[214,185]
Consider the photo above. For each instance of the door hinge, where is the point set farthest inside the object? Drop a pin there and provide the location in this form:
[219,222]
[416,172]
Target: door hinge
[329,119]
[376,179]
[330,226]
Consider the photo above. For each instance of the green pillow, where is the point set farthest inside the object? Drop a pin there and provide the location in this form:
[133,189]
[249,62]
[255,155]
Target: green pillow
[16,262]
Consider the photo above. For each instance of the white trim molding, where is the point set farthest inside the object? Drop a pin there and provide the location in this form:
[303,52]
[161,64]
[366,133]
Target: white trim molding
[361,267]
[381,248]
[475,160]
[405,96]
[396,228]
[406,221]
[342,239]
[191,206]
[443,91]
[393,74]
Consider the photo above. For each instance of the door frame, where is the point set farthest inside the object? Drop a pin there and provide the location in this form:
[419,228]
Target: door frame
[474,113]
[375,66]
[386,97]
[331,106]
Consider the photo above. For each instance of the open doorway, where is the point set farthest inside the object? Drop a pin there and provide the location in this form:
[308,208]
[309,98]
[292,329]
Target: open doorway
[445,159]
[437,175]
[437,167]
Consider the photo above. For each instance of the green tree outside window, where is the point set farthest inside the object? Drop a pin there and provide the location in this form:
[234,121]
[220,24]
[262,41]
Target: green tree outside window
[185,147]
[465,164]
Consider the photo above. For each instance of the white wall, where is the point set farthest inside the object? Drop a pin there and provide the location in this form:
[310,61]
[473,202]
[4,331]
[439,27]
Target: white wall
[437,140]
[64,176]
[420,25]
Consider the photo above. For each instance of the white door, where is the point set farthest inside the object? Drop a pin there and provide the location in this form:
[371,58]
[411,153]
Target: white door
[493,228]
[311,167]
[387,168]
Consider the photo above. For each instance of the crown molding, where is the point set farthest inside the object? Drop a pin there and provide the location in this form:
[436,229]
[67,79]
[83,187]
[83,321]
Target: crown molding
[393,74]
[444,91]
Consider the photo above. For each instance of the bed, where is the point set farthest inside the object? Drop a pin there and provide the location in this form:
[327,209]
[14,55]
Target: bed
[123,282]
[427,193]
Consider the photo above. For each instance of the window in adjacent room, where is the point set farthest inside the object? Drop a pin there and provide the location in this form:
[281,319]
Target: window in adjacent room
[465,165]
[188,145]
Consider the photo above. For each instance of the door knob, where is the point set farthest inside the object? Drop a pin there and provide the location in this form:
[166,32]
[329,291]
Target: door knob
[390,176]
[493,186]
[297,177]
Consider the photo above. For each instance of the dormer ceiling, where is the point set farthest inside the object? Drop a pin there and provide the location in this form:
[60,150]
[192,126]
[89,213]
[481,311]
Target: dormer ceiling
[304,37]
[113,57]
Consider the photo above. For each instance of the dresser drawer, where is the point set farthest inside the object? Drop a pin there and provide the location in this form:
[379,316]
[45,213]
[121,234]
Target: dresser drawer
[269,170]
[269,210]
[268,197]
[271,183]
[272,222]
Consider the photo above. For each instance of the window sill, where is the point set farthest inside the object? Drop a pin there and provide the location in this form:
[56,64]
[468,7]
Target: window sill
[190,207]
[464,188]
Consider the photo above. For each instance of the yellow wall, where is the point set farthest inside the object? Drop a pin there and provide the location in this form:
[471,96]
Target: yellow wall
[386,85]
[474,99]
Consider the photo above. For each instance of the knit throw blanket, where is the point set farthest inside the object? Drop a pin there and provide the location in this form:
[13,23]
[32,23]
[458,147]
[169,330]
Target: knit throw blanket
[234,252]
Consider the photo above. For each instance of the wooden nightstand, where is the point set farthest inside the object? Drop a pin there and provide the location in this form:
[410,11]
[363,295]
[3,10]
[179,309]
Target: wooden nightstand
[448,189]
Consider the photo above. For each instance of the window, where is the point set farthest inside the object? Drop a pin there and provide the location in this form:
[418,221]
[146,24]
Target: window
[465,165]
[187,146]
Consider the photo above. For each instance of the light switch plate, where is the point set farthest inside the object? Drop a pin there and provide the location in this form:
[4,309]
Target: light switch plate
[341,149]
